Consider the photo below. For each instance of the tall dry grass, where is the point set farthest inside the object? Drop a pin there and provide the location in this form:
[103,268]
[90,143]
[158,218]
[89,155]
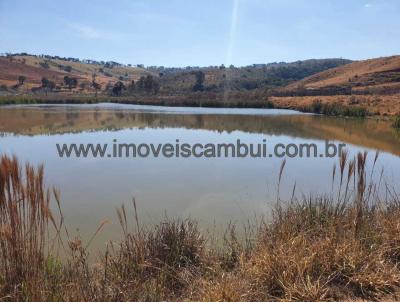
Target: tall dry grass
[337,246]
[25,218]
[326,248]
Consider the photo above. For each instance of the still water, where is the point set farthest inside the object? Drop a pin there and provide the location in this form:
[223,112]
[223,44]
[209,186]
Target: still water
[214,191]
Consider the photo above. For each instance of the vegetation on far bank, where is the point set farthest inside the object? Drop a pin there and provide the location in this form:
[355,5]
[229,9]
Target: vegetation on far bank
[195,99]
[199,99]
[340,245]
[334,109]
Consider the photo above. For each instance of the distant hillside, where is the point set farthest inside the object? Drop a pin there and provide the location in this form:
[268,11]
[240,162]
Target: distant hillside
[370,84]
[34,68]
[257,76]
[23,73]
[379,76]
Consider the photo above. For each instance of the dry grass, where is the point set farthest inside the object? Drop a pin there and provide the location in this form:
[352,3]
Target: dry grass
[354,71]
[340,246]
[383,105]
[25,218]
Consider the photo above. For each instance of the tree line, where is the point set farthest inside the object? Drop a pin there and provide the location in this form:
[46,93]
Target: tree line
[146,84]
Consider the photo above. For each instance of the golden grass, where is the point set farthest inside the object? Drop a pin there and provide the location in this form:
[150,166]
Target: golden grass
[341,75]
[339,246]
[25,217]
[381,105]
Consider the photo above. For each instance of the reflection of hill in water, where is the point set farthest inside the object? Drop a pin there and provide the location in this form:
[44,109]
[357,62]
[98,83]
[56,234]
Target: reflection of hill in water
[366,133]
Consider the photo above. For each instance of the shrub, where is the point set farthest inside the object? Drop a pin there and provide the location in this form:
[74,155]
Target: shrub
[44,65]
[172,248]
[396,123]
[270,104]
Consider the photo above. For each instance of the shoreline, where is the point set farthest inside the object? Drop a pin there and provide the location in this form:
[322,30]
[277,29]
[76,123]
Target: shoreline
[335,109]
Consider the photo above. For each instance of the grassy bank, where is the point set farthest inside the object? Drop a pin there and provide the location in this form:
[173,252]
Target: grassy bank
[334,247]
[235,100]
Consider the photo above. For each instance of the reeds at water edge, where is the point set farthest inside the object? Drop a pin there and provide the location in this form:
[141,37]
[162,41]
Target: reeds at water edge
[336,246]
[25,221]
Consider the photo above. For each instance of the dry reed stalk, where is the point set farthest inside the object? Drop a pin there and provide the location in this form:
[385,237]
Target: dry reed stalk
[25,217]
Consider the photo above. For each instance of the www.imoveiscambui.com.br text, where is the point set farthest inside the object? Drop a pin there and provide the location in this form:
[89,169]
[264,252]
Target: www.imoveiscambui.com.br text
[178,149]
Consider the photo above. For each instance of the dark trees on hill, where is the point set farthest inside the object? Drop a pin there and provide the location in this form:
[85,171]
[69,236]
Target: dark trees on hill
[148,84]
[21,80]
[47,85]
[140,83]
[200,78]
[118,88]
[151,85]
[45,65]
[132,87]
[96,86]
[45,82]
[70,82]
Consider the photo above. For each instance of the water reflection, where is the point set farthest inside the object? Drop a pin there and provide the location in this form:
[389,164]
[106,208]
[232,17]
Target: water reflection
[57,120]
[214,191]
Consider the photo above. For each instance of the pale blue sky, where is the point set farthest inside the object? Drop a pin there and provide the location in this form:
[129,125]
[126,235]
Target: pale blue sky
[205,32]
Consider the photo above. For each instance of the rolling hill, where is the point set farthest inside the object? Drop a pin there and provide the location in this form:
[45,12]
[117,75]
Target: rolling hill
[171,80]
[358,77]
[373,84]
[253,77]
[34,68]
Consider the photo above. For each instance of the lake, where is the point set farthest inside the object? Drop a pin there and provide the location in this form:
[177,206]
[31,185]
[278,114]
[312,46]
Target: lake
[214,191]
